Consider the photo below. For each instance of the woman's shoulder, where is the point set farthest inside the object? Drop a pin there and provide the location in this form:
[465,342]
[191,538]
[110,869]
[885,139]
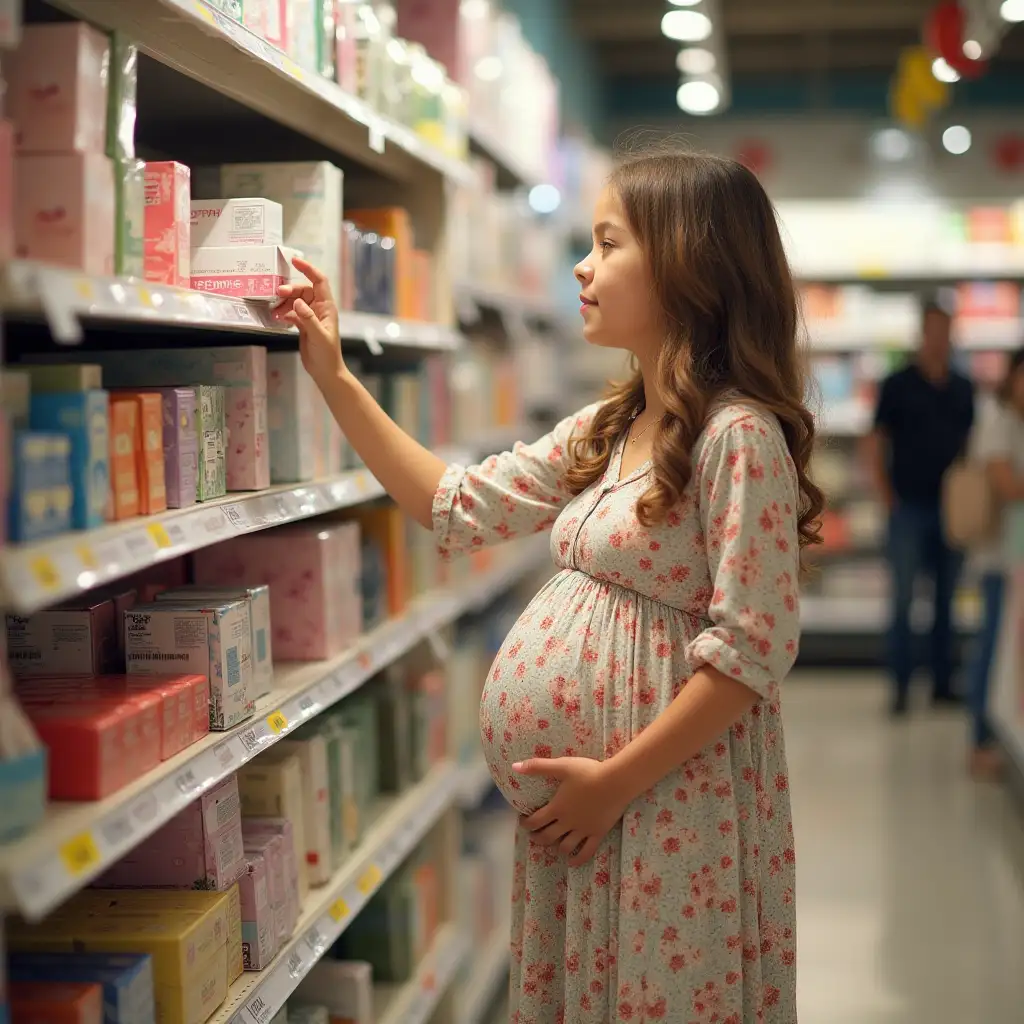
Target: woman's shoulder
[740,419]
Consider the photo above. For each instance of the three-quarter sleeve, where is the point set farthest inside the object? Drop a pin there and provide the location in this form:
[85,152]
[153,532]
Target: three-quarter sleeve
[748,496]
[514,494]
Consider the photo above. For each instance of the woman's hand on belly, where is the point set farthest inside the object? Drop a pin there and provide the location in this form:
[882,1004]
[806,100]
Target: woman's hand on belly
[585,808]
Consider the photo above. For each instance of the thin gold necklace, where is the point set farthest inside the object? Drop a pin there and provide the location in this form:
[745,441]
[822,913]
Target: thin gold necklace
[636,437]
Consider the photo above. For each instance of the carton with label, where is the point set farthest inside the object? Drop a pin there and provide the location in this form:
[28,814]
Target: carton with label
[235,222]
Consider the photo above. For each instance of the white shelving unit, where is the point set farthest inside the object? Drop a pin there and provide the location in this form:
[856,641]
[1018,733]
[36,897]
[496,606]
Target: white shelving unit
[487,971]
[415,1002]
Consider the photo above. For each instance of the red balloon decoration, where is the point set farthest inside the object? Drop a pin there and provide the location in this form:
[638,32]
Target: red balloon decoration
[944,34]
[1008,153]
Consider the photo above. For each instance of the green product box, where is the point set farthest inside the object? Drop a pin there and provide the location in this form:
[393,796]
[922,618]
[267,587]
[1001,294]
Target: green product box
[122,98]
[211,432]
[129,236]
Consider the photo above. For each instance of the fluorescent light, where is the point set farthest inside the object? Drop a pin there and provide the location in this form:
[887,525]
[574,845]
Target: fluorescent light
[1012,10]
[684,3]
[698,97]
[943,72]
[957,139]
[695,60]
[686,26]
[972,49]
[544,198]
[891,145]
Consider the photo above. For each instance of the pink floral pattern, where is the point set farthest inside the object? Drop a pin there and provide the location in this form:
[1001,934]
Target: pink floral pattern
[687,912]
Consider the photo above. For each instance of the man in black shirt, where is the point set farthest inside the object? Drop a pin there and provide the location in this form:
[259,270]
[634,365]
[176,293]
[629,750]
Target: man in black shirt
[924,416]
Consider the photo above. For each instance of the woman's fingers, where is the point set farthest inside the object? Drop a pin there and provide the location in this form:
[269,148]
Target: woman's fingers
[572,842]
[586,852]
[550,836]
[539,819]
[321,286]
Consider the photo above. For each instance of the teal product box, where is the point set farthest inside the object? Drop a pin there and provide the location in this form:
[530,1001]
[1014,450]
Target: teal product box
[40,500]
[130,197]
[126,979]
[22,793]
[84,417]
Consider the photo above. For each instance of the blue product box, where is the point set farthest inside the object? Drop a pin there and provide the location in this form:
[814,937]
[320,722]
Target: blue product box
[84,417]
[22,794]
[126,979]
[40,500]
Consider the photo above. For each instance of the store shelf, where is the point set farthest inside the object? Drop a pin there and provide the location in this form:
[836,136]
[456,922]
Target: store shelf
[997,334]
[200,42]
[475,783]
[415,1002]
[512,172]
[76,842]
[868,615]
[487,972]
[504,300]
[67,298]
[257,996]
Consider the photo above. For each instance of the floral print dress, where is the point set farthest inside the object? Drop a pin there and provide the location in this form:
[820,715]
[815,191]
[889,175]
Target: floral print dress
[686,914]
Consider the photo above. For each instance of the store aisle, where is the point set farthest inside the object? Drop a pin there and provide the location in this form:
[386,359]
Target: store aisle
[911,877]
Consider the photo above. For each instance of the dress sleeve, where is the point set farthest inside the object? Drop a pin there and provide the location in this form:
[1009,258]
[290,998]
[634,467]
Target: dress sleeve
[510,495]
[748,506]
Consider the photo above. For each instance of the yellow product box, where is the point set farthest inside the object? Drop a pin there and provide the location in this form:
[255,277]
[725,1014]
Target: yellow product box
[188,947]
[198,900]
[271,787]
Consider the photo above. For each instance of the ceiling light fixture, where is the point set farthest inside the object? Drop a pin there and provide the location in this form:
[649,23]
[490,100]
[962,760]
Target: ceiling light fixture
[1012,10]
[544,199]
[891,145]
[698,97]
[695,60]
[686,26]
[943,72]
[684,3]
[972,49]
[956,139]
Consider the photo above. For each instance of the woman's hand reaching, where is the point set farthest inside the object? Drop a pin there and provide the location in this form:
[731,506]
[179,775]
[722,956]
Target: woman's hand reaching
[312,309]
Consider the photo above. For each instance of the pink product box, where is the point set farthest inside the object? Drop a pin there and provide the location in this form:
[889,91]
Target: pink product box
[181,446]
[236,222]
[168,197]
[200,848]
[65,210]
[242,271]
[313,575]
[57,89]
[259,929]
[272,849]
[248,453]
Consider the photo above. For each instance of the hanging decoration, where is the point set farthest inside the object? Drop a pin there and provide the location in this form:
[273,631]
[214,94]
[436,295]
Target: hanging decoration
[945,34]
[915,92]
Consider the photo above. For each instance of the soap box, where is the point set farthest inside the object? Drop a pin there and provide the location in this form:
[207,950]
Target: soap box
[167,223]
[259,929]
[272,849]
[124,476]
[83,417]
[52,1002]
[259,615]
[236,222]
[243,272]
[40,498]
[313,575]
[64,641]
[148,448]
[57,89]
[214,641]
[65,211]
[199,848]
[130,224]
[180,445]
[311,750]
[291,401]
[211,432]
[126,980]
[285,829]
[345,987]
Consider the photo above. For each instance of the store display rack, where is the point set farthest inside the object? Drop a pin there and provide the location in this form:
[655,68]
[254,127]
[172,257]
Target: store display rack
[416,1001]
[475,783]
[257,996]
[202,43]
[511,171]
[78,841]
[486,974]
[504,300]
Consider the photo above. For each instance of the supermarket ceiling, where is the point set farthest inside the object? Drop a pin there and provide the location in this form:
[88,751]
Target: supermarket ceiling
[810,41]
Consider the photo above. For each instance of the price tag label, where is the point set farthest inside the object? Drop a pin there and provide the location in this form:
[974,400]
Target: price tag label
[260,1009]
[45,573]
[277,722]
[369,880]
[117,830]
[80,854]
[364,660]
[138,545]
[161,538]
[250,740]
[307,704]
[315,941]
[84,289]
[236,516]
[224,754]
[87,557]
[145,297]
[187,782]
[339,911]
[296,965]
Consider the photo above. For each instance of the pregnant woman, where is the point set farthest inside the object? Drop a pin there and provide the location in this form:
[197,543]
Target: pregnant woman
[632,716]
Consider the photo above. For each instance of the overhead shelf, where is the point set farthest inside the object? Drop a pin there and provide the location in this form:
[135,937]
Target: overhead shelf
[193,38]
[257,996]
[68,298]
[78,841]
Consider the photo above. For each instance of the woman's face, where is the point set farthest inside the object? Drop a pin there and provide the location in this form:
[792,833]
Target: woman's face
[617,299]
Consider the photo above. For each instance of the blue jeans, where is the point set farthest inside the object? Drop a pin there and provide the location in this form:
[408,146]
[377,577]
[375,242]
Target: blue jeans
[917,547]
[993,591]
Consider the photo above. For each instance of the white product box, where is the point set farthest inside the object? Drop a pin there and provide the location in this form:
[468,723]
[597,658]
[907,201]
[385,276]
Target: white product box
[291,407]
[312,754]
[244,272]
[214,641]
[259,617]
[345,987]
[312,197]
[233,222]
[63,641]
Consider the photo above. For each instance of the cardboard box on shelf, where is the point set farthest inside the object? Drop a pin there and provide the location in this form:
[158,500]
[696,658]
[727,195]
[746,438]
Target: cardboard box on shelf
[242,271]
[40,500]
[124,471]
[167,223]
[54,1002]
[78,639]
[235,223]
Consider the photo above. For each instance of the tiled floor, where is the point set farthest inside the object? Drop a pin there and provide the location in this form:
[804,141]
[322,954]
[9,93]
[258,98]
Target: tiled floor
[910,876]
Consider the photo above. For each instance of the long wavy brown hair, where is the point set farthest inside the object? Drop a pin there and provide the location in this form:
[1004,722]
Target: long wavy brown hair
[731,320]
